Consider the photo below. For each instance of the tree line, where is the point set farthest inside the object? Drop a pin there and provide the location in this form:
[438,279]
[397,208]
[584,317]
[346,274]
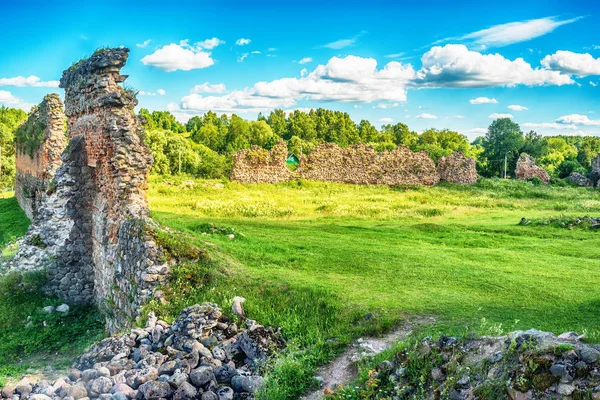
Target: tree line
[203,147]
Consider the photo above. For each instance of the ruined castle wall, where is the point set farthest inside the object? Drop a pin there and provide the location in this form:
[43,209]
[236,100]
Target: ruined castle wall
[40,142]
[361,164]
[93,235]
[456,168]
[526,169]
[257,165]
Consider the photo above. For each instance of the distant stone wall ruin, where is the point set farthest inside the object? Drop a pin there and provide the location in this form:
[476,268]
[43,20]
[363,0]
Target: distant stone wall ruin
[257,165]
[361,164]
[92,233]
[527,169]
[40,142]
[357,164]
[457,168]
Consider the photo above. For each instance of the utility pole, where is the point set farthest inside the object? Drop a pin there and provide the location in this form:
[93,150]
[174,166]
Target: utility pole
[180,161]
[505,166]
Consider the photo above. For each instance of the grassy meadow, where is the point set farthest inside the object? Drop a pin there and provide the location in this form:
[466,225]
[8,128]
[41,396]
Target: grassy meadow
[326,260]
[30,339]
[331,262]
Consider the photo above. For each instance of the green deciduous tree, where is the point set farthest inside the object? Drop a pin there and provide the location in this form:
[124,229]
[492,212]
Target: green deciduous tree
[503,138]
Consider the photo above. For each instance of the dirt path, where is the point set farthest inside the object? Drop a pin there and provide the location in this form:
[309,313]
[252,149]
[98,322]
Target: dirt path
[343,370]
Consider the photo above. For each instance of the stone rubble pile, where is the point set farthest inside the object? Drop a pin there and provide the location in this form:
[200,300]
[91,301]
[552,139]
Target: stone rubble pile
[518,366]
[202,355]
[457,168]
[580,180]
[527,169]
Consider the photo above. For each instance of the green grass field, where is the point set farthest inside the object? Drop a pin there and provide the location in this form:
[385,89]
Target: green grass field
[30,339]
[330,262]
[310,250]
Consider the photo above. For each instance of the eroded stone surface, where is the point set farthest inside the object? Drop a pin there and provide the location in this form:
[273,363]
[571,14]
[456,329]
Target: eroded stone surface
[40,142]
[361,164]
[456,168]
[527,169]
[92,233]
[257,165]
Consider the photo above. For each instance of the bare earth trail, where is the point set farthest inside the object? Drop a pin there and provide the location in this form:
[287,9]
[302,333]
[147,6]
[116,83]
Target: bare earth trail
[343,370]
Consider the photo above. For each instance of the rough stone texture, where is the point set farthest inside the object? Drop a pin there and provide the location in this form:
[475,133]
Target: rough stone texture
[521,365]
[92,233]
[361,164]
[577,179]
[163,361]
[527,169]
[257,165]
[36,166]
[456,168]
[595,173]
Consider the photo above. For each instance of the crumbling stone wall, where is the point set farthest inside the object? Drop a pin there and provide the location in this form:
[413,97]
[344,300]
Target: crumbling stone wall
[526,169]
[40,142]
[93,235]
[595,172]
[256,165]
[456,168]
[361,164]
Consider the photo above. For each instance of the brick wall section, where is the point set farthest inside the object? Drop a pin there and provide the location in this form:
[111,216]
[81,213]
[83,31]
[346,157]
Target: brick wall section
[361,164]
[36,169]
[457,168]
[257,165]
[526,169]
[93,235]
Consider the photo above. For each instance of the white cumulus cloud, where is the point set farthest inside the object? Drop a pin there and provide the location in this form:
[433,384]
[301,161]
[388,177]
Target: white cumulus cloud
[453,65]
[571,63]
[385,120]
[426,116]
[180,56]
[516,107]
[209,88]
[242,41]
[10,100]
[305,60]
[500,115]
[483,100]
[32,81]
[594,84]
[578,119]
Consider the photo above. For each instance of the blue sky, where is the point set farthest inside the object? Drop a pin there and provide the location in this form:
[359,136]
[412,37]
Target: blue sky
[427,64]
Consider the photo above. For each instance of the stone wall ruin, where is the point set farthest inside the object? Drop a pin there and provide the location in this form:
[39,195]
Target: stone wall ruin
[92,233]
[527,169]
[457,168]
[40,142]
[256,165]
[361,164]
